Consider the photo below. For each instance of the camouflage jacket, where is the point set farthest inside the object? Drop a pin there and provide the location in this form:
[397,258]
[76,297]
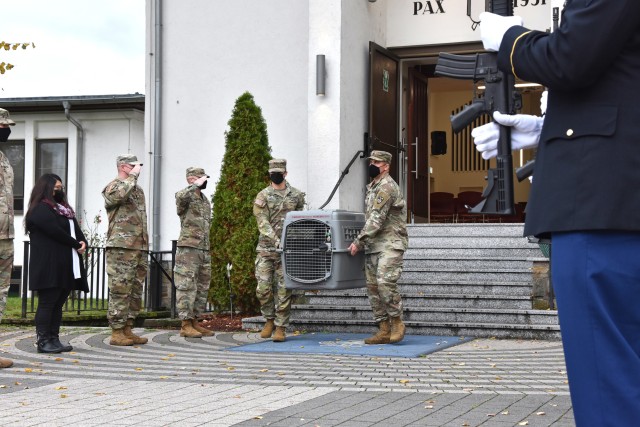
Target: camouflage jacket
[195,218]
[270,208]
[386,212]
[124,202]
[6,198]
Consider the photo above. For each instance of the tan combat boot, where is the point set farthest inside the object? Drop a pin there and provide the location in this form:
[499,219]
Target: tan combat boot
[135,338]
[119,338]
[188,331]
[397,330]
[383,334]
[279,335]
[204,331]
[268,328]
[5,363]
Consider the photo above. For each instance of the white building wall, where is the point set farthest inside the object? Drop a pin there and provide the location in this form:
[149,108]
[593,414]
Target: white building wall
[106,134]
[212,52]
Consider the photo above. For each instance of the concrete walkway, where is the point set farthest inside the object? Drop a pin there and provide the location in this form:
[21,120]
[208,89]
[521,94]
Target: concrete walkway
[195,382]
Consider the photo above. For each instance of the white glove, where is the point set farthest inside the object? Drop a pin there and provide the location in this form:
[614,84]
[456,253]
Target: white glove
[525,133]
[543,102]
[493,27]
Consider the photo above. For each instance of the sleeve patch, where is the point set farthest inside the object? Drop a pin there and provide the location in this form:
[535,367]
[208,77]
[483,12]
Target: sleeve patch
[380,200]
[260,202]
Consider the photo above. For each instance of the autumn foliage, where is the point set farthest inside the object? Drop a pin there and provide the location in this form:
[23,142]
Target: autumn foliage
[234,233]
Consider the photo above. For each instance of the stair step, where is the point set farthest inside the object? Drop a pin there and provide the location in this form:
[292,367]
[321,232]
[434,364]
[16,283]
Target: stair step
[466,230]
[473,252]
[451,301]
[496,264]
[430,314]
[443,274]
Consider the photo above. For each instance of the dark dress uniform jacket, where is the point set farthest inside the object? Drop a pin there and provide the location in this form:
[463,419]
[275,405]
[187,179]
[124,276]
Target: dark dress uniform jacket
[587,170]
[50,262]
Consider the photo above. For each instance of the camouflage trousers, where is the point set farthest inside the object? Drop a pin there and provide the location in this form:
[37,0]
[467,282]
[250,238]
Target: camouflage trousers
[127,270]
[6,265]
[275,299]
[192,277]
[382,271]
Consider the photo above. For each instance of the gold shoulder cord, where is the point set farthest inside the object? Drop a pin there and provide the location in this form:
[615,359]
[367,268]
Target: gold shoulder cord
[513,48]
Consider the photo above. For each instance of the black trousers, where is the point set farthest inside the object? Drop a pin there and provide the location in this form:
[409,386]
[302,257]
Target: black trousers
[49,311]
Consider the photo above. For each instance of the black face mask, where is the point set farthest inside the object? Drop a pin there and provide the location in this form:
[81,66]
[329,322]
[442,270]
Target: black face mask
[373,170]
[58,196]
[4,134]
[276,177]
[203,185]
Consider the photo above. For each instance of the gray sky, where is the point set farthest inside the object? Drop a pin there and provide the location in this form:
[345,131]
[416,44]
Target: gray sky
[83,47]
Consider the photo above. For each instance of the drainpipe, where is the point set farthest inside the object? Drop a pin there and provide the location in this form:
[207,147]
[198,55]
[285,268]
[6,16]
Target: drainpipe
[79,154]
[157,154]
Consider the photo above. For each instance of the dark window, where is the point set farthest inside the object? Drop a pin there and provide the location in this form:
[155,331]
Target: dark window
[14,150]
[51,157]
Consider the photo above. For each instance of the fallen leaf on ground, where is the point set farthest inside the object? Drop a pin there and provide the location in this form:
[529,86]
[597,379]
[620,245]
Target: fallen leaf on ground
[61,387]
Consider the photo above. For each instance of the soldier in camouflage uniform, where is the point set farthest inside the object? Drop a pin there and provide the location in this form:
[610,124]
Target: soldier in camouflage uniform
[270,208]
[6,220]
[192,272]
[384,238]
[127,249]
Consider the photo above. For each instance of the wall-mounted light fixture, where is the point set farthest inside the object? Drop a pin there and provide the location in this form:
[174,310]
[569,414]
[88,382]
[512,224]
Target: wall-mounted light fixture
[320,75]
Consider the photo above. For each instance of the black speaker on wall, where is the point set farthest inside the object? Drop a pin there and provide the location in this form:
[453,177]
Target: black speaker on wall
[438,142]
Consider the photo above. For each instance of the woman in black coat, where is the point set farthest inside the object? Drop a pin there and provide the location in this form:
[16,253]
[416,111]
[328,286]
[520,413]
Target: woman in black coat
[55,264]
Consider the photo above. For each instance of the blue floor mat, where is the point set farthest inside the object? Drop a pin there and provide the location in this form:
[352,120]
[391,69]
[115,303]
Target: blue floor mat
[353,344]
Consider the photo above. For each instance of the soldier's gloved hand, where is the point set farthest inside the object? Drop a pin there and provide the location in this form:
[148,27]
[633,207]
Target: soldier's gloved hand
[493,27]
[543,102]
[201,180]
[525,133]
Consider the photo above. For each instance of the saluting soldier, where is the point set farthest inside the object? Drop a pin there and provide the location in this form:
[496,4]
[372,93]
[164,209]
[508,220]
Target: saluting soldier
[6,219]
[270,208]
[384,239]
[192,271]
[126,249]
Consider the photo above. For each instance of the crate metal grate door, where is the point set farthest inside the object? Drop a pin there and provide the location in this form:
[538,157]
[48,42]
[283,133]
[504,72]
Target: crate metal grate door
[307,251]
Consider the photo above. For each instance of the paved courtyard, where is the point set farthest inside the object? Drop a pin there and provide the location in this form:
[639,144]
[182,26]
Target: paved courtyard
[196,382]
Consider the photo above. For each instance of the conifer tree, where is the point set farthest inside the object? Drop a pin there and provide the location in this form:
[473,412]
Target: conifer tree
[234,233]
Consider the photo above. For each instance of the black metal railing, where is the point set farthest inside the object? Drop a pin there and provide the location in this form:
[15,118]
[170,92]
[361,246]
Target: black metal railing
[97,299]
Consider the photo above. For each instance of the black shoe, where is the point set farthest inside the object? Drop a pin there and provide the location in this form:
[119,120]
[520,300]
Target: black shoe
[46,345]
[55,339]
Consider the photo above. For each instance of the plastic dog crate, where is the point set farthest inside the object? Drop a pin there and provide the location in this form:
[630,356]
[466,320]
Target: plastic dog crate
[315,251]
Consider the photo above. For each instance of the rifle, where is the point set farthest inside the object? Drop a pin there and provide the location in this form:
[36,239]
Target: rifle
[499,95]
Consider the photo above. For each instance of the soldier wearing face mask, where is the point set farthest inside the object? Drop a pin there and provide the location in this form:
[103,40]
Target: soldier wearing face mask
[384,239]
[6,219]
[192,271]
[270,208]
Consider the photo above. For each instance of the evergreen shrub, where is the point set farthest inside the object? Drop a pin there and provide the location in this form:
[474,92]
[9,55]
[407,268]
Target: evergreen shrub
[234,232]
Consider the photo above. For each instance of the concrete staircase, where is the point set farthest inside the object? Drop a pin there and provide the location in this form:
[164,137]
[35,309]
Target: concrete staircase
[458,279]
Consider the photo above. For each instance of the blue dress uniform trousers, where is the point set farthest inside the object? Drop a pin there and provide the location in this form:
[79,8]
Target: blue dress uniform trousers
[596,276]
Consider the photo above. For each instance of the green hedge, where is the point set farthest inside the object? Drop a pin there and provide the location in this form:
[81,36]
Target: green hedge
[234,233]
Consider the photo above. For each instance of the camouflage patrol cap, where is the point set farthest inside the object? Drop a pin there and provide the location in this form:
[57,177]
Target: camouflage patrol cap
[130,159]
[198,172]
[5,119]
[380,156]
[277,165]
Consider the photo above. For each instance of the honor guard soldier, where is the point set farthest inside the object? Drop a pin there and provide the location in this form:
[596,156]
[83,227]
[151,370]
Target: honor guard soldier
[583,195]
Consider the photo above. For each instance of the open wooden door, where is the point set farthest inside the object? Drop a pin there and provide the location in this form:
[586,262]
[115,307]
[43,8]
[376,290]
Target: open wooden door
[384,104]
[417,145]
